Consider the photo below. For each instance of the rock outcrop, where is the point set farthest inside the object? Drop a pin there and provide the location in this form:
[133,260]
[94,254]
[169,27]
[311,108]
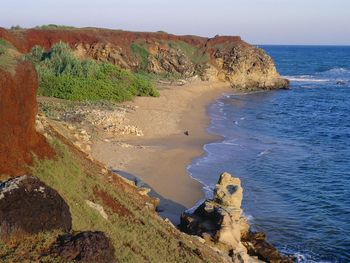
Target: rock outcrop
[84,247]
[28,206]
[219,220]
[222,58]
[18,137]
[247,67]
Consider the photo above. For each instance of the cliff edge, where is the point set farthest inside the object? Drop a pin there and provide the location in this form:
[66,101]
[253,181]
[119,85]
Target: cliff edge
[224,58]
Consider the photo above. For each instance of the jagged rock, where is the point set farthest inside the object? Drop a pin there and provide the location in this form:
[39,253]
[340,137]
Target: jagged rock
[85,247]
[247,67]
[341,82]
[258,246]
[29,206]
[220,217]
[220,220]
[168,59]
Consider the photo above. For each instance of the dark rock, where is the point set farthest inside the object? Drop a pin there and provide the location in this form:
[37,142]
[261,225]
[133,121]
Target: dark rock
[341,82]
[85,247]
[28,206]
[187,133]
[257,245]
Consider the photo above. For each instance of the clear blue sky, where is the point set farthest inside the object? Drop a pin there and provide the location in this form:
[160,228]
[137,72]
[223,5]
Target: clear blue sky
[257,21]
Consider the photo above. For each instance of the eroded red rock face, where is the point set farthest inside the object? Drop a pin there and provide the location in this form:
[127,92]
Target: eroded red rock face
[18,137]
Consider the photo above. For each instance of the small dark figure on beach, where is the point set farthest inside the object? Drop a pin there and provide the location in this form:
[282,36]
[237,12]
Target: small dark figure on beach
[186,133]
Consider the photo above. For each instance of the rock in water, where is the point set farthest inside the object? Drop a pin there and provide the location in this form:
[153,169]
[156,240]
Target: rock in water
[85,247]
[220,220]
[28,206]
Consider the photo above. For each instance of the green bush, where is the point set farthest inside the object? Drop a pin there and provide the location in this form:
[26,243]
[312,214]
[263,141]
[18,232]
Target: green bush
[53,26]
[62,75]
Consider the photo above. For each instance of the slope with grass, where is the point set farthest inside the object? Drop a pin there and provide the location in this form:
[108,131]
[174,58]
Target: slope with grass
[137,232]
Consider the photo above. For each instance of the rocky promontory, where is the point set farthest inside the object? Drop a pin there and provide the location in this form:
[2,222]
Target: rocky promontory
[219,221]
[223,58]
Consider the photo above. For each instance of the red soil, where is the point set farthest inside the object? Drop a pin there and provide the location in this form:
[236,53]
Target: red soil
[25,40]
[112,203]
[18,137]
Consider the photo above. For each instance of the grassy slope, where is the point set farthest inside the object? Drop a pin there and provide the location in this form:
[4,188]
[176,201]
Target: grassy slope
[7,56]
[138,233]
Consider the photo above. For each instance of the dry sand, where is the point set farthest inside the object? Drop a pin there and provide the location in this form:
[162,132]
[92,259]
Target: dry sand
[161,156]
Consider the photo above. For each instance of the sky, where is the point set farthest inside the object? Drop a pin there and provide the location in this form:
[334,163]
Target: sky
[320,22]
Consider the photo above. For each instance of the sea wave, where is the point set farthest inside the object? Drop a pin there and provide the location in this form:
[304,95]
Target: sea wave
[305,79]
[336,70]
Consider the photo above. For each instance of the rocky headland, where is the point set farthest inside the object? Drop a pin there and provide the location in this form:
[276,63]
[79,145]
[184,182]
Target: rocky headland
[224,58]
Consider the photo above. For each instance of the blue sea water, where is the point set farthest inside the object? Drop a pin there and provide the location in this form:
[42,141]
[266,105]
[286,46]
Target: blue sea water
[291,149]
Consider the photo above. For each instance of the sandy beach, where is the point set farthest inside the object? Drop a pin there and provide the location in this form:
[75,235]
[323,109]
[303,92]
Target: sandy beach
[160,157]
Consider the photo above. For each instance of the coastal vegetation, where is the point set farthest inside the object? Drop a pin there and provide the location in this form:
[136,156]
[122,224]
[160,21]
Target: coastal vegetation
[62,75]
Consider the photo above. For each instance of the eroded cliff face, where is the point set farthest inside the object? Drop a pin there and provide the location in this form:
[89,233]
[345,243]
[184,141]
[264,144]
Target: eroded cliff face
[18,137]
[246,67]
[220,58]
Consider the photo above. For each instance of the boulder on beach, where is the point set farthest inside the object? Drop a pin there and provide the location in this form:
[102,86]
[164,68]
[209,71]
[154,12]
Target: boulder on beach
[28,206]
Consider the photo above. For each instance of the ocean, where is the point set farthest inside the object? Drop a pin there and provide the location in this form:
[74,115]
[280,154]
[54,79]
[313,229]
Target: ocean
[291,150]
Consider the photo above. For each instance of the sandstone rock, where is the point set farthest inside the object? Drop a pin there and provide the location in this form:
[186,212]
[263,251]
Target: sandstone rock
[98,208]
[144,190]
[29,206]
[258,246]
[86,247]
[220,217]
[228,191]
[220,221]
[245,66]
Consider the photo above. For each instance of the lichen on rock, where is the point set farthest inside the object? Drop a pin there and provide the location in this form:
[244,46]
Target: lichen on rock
[28,206]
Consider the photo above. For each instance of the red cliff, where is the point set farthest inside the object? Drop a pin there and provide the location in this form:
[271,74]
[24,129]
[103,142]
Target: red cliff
[18,137]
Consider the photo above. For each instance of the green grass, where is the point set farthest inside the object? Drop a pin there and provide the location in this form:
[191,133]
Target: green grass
[62,75]
[138,236]
[8,61]
[33,248]
[192,52]
[141,54]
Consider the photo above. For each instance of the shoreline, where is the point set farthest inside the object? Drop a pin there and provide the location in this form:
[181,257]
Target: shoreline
[159,159]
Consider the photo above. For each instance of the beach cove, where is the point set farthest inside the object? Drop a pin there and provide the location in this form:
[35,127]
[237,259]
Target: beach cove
[160,157]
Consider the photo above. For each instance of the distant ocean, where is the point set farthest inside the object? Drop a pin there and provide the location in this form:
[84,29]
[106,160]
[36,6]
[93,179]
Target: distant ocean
[291,149]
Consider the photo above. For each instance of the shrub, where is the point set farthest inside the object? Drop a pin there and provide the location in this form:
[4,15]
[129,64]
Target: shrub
[62,75]
[53,26]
